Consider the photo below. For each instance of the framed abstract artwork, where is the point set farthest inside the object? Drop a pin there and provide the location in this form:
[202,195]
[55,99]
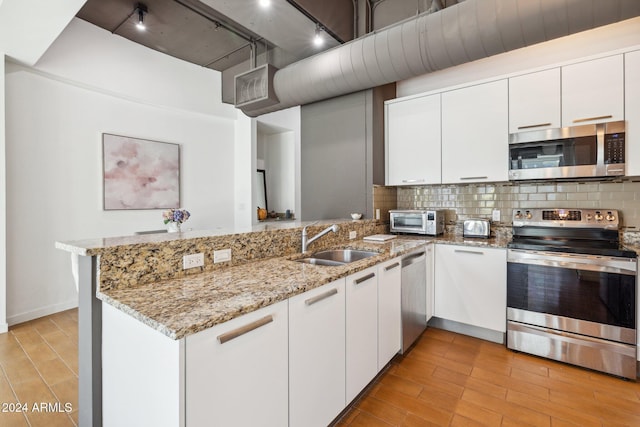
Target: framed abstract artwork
[139,173]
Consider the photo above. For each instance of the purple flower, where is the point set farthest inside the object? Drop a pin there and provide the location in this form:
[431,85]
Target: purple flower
[175,215]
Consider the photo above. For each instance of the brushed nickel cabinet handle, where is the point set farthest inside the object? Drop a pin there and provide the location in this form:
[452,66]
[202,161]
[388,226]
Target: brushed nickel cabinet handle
[534,126]
[392,266]
[320,297]
[473,177]
[462,251]
[228,336]
[588,119]
[409,181]
[364,278]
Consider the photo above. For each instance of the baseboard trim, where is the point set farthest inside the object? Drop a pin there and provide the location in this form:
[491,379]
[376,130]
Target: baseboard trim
[464,329]
[41,312]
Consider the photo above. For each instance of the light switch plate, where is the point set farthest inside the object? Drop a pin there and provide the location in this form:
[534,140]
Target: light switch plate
[222,255]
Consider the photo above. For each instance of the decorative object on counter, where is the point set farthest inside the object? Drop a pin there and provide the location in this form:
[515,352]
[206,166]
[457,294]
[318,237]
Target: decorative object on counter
[174,218]
[287,214]
[356,216]
[262,214]
[139,173]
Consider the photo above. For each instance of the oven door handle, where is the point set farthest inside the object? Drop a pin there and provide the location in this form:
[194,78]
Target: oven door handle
[583,262]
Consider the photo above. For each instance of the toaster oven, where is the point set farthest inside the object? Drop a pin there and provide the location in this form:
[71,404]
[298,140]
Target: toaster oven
[428,222]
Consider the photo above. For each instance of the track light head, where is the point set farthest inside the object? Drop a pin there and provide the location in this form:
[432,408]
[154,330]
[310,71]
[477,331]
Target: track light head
[141,10]
[318,39]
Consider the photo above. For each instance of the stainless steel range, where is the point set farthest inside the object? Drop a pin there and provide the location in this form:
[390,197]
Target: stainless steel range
[571,289]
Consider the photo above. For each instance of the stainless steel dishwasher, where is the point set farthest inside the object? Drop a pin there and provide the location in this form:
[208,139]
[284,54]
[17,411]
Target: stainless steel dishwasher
[414,297]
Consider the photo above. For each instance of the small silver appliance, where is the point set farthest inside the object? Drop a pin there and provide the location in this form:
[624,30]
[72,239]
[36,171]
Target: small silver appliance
[476,228]
[428,222]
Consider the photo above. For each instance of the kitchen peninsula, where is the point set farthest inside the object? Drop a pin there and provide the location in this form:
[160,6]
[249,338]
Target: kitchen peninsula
[140,280]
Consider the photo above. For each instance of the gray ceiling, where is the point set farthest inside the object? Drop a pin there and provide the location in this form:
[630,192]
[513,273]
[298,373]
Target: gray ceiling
[217,34]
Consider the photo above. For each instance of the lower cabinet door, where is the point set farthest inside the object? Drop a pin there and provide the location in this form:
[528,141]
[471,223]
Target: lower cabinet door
[389,314]
[237,372]
[317,355]
[362,330]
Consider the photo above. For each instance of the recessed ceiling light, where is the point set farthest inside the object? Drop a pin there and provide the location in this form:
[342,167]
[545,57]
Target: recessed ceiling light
[264,3]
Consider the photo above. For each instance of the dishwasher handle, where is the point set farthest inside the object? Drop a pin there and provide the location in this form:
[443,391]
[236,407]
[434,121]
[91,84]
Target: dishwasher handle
[413,258]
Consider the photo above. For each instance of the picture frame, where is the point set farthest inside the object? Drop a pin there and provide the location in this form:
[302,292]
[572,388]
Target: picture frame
[139,173]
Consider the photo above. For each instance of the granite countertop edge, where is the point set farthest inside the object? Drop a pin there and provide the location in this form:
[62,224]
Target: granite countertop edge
[178,308]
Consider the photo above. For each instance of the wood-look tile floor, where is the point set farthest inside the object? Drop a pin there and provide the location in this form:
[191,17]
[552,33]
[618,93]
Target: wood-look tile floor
[449,379]
[39,370]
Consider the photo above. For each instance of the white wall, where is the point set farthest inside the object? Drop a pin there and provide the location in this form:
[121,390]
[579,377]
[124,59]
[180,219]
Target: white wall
[55,116]
[3,205]
[27,28]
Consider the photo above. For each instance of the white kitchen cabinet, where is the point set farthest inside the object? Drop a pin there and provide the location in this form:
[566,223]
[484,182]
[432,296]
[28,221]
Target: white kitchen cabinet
[237,372]
[362,330]
[430,279]
[471,286]
[593,91]
[389,314]
[534,101]
[413,141]
[632,113]
[317,355]
[142,374]
[475,133]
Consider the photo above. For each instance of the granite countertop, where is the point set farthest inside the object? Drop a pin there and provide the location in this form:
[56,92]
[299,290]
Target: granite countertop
[97,246]
[180,307]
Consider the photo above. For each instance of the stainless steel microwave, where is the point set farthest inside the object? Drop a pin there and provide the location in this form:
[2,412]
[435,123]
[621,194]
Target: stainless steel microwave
[573,152]
[429,222]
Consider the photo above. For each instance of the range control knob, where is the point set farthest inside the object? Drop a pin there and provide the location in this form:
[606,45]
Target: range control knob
[528,215]
[611,216]
[589,217]
[598,216]
[518,215]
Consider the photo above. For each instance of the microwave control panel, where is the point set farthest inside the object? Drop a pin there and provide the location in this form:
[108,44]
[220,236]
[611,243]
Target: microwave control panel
[614,148]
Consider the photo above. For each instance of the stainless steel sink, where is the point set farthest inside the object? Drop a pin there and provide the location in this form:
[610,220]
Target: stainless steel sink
[337,257]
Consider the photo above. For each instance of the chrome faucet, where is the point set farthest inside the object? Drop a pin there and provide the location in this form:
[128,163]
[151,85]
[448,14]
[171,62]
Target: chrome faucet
[306,242]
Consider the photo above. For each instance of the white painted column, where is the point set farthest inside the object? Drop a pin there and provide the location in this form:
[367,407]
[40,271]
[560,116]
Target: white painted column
[3,207]
[244,162]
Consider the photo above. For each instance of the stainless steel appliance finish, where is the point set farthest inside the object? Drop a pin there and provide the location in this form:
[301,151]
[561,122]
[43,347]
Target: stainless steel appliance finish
[414,297]
[428,222]
[476,228]
[596,150]
[571,289]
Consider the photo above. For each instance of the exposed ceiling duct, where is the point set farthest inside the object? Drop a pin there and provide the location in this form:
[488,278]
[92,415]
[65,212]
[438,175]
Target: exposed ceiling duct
[468,31]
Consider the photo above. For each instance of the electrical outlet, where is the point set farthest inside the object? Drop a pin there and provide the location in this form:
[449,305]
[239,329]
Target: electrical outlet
[221,256]
[495,215]
[353,234]
[192,261]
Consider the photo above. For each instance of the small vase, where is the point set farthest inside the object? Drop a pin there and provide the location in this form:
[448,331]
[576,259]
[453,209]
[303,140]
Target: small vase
[173,227]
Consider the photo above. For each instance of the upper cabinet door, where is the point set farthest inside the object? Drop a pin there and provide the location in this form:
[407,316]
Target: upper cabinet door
[632,112]
[593,91]
[413,141]
[534,101]
[475,133]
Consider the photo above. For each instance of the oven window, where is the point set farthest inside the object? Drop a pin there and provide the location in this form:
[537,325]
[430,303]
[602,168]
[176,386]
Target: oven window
[409,220]
[605,298]
[562,152]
